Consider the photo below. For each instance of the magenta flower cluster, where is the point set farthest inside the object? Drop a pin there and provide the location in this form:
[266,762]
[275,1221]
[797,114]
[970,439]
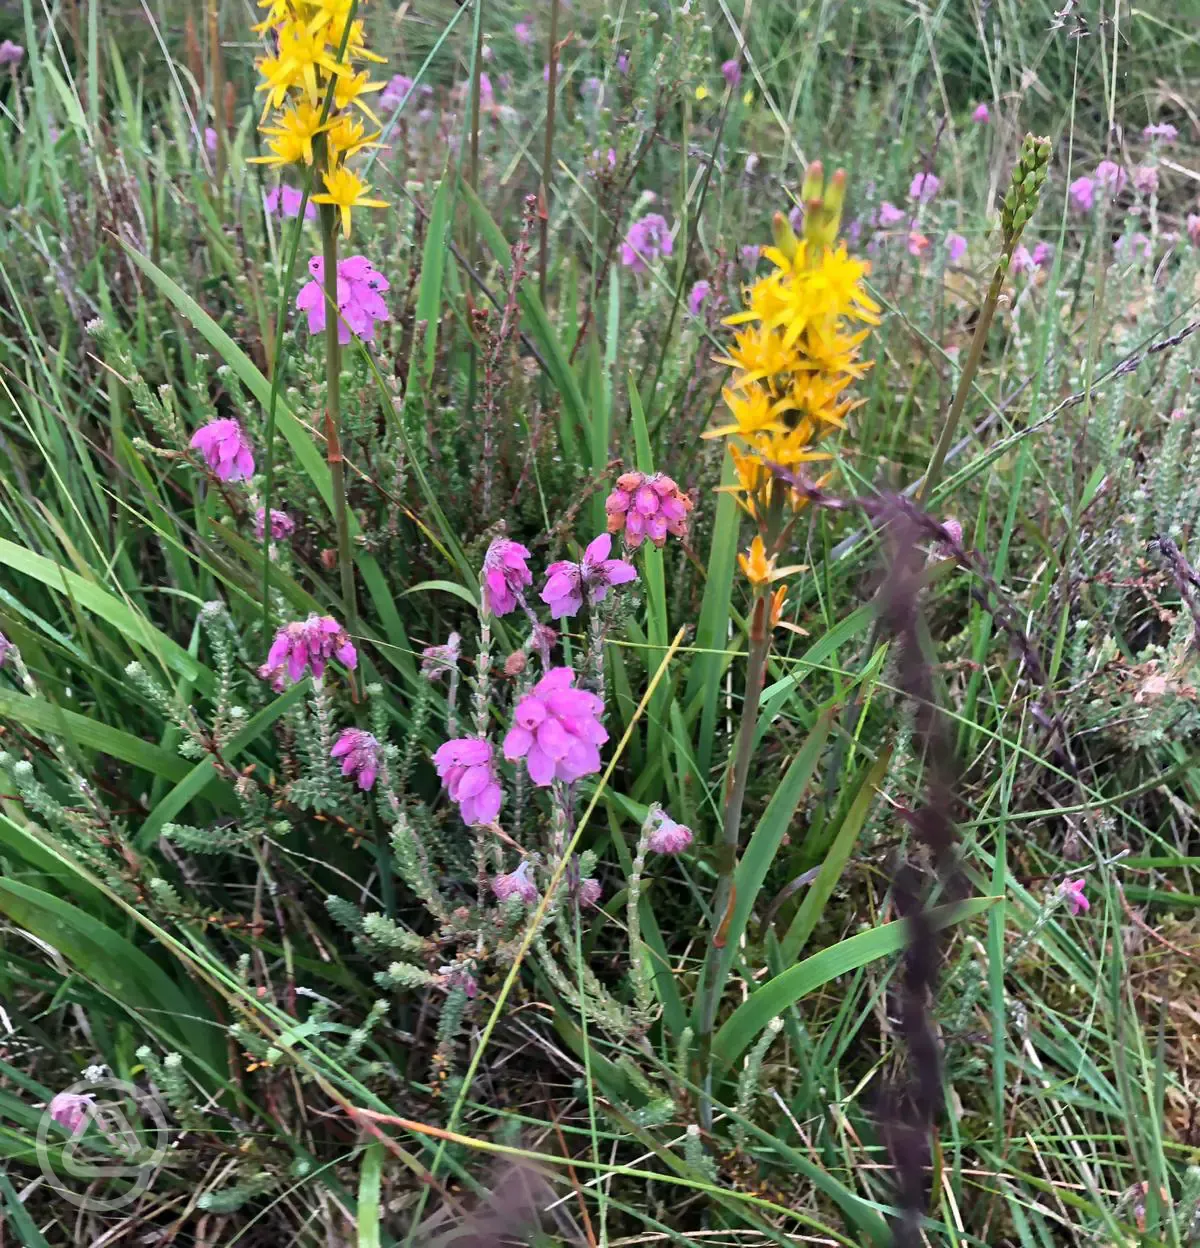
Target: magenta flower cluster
[506,576]
[567,583]
[557,730]
[516,884]
[467,768]
[360,754]
[664,835]
[225,448]
[359,295]
[282,525]
[647,507]
[648,238]
[306,644]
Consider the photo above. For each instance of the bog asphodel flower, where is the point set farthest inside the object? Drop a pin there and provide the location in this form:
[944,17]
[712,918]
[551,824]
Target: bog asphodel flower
[796,351]
[318,46]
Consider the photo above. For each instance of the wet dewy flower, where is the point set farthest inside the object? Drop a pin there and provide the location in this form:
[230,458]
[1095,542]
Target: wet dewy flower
[523,32]
[282,525]
[505,575]
[71,1110]
[923,188]
[360,754]
[396,92]
[556,730]
[287,200]
[467,769]
[517,884]
[1072,891]
[647,507]
[567,583]
[647,238]
[981,115]
[436,661]
[956,247]
[890,215]
[309,643]
[731,71]
[225,448]
[1145,180]
[697,296]
[359,291]
[1162,130]
[665,835]
[1111,177]
[1082,194]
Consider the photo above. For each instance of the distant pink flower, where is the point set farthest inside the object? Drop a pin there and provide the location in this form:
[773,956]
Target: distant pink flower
[287,200]
[918,244]
[1193,227]
[592,89]
[360,754]
[1145,180]
[71,1110]
[623,63]
[956,247]
[981,115]
[890,215]
[11,53]
[436,661]
[467,768]
[1043,256]
[282,525]
[568,583]
[1082,194]
[647,507]
[1072,890]
[359,295]
[505,575]
[517,884]
[796,218]
[523,32]
[1133,247]
[456,976]
[1022,261]
[487,97]
[750,254]
[923,188]
[309,643]
[1162,130]
[556,730]
[666,836]
[1111,177]
[210,141]
[396,92]
[731,71]
[697,296]
[647,238]
[225,448]
[5,647]
[588,892]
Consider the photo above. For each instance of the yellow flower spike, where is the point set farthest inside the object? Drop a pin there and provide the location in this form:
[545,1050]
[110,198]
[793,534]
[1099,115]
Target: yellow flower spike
[293,132]
[348,88]
[778,598]
[345,191]
[345,137]
[759,570]
[702,92]
[752,413]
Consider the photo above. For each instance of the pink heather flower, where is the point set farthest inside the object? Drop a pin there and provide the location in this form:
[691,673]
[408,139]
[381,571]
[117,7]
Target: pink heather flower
[923,188]
[592,89]
[396,92]
[731,71]
[71,1110]
[360,754]
[918,244]
[505,575]
[487,97]
[796,218]
[360,305]
[518,885]
[225,448]
[210,141]
[11,53]
[282,525]
[1132,247]
[954,529]
[588,892]
[697,295]
[456,976]
[889,215]
[567,582]
[1021,262]
[309,643]
[556,730]
[1043,256]
[1145,180]
[5,647]
[623,63]
[1193,227]
[665,835]
[647,507]
[467,768]
[1072,890]
[523,32]
[286,200]
[1111,177]
[981,115]
[1082,194]
[648,238]
[956,247]
[436,661]
[1161,130]
[750,254]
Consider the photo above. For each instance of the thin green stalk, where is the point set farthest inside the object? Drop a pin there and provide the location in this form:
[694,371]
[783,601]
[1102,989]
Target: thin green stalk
[724,898]
[548,153]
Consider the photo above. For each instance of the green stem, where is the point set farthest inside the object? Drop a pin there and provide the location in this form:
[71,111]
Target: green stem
[548,153]
[724,899]
[333,415]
